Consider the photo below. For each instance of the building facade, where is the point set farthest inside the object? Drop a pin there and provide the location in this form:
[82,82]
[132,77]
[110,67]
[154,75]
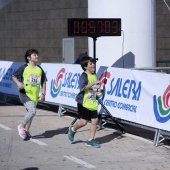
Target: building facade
[42,24]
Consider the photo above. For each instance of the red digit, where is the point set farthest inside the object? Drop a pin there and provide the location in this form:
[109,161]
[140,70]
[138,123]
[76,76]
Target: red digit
[92,29]
[76,27]
[107,27]
[100,27]
[84,27]
[115,27]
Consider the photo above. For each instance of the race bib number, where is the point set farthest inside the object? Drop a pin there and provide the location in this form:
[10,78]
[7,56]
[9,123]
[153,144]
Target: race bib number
[34,80]
[91,95]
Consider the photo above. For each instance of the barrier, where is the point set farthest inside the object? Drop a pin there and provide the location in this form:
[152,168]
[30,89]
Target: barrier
[161,135]
[135,96]
[163,63]
[7,97]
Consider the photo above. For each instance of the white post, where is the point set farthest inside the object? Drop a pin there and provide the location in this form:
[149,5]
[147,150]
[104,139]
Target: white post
[137,41]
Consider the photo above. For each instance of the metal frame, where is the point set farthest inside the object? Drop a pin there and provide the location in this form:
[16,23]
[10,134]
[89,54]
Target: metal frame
[161,135]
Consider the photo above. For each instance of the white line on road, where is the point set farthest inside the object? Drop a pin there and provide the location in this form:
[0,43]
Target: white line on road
[79,161]
[38,142]
[5,127]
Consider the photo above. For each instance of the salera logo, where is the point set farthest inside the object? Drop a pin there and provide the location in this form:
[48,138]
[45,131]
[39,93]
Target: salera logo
[161,106]
[56,84]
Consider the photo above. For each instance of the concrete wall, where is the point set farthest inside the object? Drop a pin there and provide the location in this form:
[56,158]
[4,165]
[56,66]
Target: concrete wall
[39,24]
[162,30]
[42,24]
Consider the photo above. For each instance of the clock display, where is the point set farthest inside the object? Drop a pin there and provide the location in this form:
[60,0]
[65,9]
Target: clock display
[94,27]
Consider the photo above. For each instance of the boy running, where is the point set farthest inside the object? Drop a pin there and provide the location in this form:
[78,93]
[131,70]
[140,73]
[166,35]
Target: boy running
[29,78]
[87,103]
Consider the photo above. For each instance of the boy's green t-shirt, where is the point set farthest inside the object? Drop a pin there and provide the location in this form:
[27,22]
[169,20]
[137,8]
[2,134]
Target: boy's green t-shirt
[89,101]
[32,82]
[32,78]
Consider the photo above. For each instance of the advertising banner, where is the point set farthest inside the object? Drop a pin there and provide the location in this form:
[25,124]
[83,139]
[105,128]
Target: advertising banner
[63,83]
[7,68]
[138,96]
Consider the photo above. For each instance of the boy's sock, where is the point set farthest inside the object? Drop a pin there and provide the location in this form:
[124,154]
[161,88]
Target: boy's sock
[73,129]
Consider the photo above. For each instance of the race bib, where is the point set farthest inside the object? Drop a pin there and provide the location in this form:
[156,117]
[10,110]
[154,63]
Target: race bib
[91,95]
[34,80]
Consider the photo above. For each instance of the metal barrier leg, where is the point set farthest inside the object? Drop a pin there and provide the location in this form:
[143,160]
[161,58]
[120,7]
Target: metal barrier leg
[100,122]
[60,109]
[155,137]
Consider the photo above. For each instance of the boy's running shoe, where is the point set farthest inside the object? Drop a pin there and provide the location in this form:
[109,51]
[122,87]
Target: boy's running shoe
[22,132]
[71,134]
[93,143]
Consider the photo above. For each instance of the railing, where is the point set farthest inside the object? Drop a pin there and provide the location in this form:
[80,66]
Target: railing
[163,63]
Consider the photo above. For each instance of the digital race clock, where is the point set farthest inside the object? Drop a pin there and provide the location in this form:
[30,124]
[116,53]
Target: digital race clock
[94,27]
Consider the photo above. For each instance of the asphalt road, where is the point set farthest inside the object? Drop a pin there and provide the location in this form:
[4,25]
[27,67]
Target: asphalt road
[50,148]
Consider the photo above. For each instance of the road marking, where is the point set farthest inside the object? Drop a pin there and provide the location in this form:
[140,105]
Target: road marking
[38,142]
[5,127]
[79,161]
